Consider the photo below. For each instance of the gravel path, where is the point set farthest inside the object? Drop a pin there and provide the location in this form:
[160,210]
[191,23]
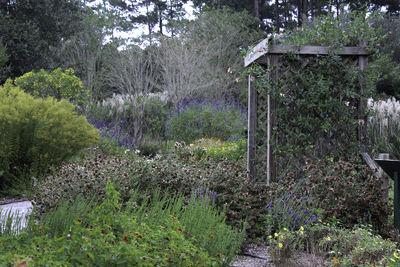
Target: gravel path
[254,256]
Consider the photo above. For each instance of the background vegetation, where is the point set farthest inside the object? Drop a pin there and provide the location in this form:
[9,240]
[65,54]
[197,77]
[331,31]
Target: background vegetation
[163,179]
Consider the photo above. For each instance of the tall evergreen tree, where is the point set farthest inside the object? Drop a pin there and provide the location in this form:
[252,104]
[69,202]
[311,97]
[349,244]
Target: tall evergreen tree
[29,27]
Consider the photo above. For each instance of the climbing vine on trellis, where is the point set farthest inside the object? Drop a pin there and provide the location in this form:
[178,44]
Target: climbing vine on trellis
[317,113]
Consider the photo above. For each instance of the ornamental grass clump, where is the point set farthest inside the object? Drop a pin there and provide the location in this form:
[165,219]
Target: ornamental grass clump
[384,126]
[206,118]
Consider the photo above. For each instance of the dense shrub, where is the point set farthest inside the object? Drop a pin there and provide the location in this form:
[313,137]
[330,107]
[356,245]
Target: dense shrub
[58,84]
[346,190]
[36,133]
[88,179]
[198,119]
[110,237]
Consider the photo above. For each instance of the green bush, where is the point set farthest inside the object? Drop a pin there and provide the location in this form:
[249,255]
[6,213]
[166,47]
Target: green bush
[206,119]
[58,84]
[37,133]
[346,190]
[88,178]
[109,238]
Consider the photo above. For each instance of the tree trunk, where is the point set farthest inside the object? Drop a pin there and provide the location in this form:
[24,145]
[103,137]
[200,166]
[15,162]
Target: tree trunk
[256,9]
[302,11]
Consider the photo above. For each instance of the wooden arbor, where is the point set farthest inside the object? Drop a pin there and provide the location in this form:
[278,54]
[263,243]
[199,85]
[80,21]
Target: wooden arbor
[261,166]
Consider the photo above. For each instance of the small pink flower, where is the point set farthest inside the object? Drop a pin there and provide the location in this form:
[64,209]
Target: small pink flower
[230,70]
[380,102]
[260,50]
[361,122]
[390,33]
[378,44]
[362,29]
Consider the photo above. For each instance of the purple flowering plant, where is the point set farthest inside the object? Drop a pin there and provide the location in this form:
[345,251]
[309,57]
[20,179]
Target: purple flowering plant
[289,211]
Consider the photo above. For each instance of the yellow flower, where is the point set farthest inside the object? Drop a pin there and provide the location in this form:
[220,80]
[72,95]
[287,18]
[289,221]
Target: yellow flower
[280,245]
[301,228]
[392,259]
[329,238]
[285,229]
[396,255]
[276,235]
[281,236]
[270,237]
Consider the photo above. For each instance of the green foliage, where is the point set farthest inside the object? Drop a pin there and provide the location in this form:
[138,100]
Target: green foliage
[351,29]
[58,84]
[339,246]
[156,113]
[30,30]
[206,119]
[4,69]
[110,237]
[37,133]
[316,109]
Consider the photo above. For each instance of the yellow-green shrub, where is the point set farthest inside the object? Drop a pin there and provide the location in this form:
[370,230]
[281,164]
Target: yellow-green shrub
[36,133]
[57,84]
